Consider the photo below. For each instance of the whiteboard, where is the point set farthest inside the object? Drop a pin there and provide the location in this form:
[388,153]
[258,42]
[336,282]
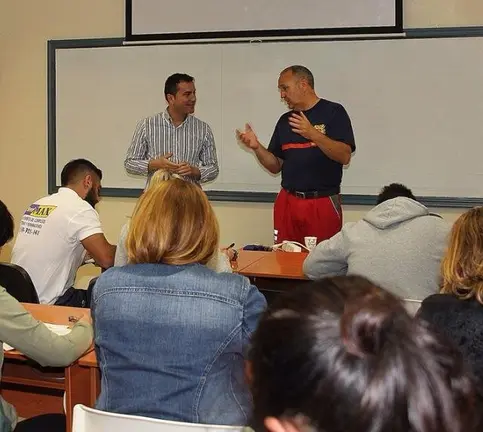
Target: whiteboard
[415,106]
[148,18]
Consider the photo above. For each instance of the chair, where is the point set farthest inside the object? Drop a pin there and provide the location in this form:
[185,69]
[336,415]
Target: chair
[92,420]
[17,282]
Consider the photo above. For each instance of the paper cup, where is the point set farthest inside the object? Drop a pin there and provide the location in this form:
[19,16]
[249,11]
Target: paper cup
[310,242]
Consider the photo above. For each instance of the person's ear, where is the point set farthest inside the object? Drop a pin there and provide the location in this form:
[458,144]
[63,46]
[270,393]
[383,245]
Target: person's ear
[88,183]
[170,98]
[273,424]
[304,85]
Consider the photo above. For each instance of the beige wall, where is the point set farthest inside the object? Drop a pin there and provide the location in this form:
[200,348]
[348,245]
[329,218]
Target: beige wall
[26,25]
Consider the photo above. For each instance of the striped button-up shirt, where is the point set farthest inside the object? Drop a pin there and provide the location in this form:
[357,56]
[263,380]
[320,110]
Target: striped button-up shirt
[192,142]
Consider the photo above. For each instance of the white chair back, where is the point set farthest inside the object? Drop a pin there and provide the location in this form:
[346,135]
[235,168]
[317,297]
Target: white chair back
[412,306]
[92,420]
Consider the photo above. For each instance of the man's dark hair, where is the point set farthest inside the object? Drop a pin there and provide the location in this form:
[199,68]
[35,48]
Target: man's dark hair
[394,190]
[6,224]
[76,168]
[171,84]
[302,72]
[342,354]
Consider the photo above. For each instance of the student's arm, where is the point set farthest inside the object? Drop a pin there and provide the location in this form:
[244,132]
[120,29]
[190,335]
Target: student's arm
[85,227]
[120,258]
[255,305]
[21,330]
[100,250]
[329,258]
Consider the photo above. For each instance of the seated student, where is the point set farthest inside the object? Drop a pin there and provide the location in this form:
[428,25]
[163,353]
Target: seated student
[171,333]
[19,329]
[457,312]
[342,354]
[398,244]
[55,233]
[220,262]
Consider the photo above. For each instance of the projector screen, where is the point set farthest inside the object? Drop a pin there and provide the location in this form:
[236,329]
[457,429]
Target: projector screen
[206,19]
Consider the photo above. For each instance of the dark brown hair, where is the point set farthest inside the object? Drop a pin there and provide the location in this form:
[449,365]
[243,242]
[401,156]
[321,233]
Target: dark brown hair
[6,224]
[344,355]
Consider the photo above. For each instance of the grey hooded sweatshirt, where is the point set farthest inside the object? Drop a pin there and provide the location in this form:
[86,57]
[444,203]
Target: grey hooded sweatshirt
[398,245]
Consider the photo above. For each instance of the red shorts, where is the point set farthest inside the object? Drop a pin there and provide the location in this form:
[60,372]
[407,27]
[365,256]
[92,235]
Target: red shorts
[295,218]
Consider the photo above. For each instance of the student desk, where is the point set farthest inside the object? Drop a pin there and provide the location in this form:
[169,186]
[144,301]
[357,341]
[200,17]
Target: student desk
[35,390]
[273,272]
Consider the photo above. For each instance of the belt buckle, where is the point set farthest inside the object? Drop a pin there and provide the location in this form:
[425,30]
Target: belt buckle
[300,194]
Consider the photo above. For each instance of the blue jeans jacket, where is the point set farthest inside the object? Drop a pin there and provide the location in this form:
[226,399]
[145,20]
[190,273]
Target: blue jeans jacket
[170,341]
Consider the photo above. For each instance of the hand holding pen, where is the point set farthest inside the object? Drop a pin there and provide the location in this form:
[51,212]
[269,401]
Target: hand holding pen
[231,253]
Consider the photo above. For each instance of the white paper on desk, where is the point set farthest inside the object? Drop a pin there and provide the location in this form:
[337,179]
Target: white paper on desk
[56,328]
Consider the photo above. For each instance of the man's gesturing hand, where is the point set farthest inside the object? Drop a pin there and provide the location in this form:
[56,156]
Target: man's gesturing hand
[301,125]
[163,162]
[248,137]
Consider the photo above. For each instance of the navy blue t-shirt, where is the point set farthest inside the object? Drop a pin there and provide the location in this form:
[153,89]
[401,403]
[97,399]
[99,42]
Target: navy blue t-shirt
[305,167]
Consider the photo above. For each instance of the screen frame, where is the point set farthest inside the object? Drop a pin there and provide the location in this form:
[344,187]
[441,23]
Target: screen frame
[247,34]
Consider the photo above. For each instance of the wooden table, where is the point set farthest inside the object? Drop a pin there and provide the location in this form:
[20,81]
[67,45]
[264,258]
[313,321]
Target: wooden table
[88,362]
[35,390]
[247,258]
[273,272]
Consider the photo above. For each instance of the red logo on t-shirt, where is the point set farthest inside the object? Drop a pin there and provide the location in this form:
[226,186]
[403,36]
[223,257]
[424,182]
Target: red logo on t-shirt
[304,145]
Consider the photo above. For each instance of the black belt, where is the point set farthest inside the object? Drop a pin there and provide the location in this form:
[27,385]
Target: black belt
[312,194]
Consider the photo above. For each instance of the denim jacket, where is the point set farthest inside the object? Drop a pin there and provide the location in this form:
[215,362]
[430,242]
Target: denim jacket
[171,341]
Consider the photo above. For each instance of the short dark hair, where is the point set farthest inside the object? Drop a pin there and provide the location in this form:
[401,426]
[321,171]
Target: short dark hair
[394,190]
[342,354]
[171,84]
[6,224]
[78,167]
[301,72]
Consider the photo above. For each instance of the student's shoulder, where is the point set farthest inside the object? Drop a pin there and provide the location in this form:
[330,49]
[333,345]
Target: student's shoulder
[436,223]
[62,203]
[439,303]
[230,285]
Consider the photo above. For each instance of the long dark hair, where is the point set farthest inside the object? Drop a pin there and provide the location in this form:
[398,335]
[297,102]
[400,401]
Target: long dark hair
[344,355]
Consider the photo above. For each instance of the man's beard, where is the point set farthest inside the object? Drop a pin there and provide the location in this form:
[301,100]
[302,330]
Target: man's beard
[91,198]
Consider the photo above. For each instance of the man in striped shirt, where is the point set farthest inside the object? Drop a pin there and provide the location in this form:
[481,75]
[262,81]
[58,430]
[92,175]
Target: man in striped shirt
[174,139]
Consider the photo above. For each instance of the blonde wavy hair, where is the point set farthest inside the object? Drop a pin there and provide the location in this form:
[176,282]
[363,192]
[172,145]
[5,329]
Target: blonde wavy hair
[462,266]
[173,223]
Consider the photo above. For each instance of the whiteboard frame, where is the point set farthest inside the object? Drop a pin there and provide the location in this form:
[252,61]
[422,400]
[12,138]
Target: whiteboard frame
[234,196]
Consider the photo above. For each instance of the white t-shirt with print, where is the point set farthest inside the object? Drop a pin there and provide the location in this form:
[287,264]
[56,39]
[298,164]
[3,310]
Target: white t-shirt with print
[48,244]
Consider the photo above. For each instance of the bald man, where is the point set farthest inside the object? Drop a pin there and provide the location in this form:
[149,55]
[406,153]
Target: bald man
[310,145]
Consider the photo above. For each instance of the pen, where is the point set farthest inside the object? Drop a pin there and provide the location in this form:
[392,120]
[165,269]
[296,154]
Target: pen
[229,247]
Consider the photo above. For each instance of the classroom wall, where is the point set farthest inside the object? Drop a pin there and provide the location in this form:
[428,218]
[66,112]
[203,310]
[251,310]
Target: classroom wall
[26,25]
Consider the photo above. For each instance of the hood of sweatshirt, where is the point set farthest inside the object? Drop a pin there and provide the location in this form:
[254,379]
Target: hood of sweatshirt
[394,212]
